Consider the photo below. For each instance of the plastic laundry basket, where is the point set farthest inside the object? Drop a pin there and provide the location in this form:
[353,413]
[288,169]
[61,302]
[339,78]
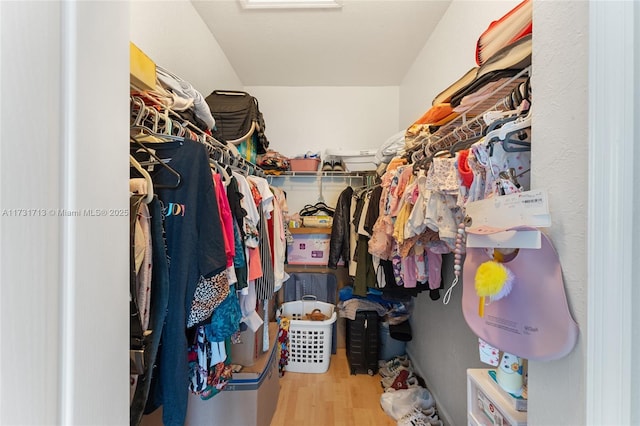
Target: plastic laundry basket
[309,341]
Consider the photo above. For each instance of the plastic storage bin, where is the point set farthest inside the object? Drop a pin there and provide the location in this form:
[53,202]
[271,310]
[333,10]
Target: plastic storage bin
[309,249]
[486,405]
[309,341]
[304,164]
[389,347]
[355,160]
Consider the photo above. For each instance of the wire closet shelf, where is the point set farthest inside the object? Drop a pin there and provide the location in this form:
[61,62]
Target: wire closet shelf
[471,123]
[163,120]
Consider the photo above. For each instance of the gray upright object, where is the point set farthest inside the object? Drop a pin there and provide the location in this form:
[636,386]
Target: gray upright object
[324,286]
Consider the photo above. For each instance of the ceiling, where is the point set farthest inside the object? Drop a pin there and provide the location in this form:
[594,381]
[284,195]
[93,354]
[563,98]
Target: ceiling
[363,43]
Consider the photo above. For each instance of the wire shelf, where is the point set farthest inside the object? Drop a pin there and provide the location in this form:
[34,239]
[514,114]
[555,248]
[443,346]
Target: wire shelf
[471,124]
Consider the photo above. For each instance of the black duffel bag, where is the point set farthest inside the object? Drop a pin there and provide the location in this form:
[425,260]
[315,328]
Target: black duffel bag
[237,117]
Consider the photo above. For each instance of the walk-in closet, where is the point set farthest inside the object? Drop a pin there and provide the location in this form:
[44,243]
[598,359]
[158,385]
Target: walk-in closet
[335,212]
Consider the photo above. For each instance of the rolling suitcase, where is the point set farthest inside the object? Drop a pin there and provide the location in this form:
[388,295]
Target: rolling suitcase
[362,343]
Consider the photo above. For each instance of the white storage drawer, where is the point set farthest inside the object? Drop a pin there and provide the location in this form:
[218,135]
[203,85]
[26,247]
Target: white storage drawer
[487,406]
[354,160]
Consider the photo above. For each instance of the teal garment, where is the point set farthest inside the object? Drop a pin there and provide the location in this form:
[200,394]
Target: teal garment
[225,319]
[239,260]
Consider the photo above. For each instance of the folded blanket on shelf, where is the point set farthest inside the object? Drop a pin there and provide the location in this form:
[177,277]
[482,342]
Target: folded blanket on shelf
[514,25]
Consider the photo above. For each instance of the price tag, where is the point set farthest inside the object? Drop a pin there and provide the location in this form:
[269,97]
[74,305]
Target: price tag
[492,218]
[529,208]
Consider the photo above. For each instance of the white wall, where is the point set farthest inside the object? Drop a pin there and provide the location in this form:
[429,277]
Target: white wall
[63,280]
[560,128]
[303,190]
[635,373]
[173,35]
[443,345]
[301,119]
[448,54]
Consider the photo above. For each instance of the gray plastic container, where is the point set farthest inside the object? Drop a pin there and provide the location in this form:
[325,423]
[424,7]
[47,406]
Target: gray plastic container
[389,347]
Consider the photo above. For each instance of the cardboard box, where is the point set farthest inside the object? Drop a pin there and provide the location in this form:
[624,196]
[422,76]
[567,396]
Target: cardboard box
[250,397]
[247,352]
[309,249]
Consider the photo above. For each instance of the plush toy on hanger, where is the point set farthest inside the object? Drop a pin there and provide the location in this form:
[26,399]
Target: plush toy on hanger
[494,280]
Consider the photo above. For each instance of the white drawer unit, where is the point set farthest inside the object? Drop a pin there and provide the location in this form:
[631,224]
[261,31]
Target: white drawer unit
[486,405]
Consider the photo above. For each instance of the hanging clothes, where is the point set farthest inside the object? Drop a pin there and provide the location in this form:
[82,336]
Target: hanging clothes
[265,284]
[195,247]
[144,398]
[339,242]
[264,202]
[278,238]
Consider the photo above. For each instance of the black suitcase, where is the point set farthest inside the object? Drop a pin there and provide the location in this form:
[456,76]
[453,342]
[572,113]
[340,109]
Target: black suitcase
[362,343]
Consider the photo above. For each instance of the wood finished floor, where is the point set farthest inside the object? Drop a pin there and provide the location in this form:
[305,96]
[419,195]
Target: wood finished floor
[335,398]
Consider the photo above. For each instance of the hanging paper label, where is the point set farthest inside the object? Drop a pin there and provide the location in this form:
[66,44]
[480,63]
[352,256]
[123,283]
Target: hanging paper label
[491,218]
[529,208]
[492,237]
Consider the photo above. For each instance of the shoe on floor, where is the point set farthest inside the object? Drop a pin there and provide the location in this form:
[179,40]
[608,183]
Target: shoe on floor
[414,418]
[399,381]
[400,358]
[430,412]
[404,380]
[394,368]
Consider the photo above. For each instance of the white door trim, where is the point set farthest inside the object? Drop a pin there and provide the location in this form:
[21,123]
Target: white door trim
[610,221]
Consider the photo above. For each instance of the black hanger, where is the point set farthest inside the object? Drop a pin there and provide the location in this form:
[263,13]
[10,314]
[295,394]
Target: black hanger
[312,210]
[158,161]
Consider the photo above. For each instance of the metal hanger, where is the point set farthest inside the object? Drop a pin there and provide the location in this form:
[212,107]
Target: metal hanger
[158,161]
[144,130]
[219,167]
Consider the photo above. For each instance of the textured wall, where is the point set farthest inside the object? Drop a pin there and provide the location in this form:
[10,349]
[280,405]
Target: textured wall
[443,347]
[301,119]
[448,54]
[174,35]
[560,132]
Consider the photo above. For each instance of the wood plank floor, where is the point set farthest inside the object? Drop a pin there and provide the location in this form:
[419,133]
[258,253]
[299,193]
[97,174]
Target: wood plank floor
[335,398]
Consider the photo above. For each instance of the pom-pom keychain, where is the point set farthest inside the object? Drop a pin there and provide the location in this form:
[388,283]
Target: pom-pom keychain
[493,280]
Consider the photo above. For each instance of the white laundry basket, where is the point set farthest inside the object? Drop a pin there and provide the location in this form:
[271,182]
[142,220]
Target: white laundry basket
[309,341]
